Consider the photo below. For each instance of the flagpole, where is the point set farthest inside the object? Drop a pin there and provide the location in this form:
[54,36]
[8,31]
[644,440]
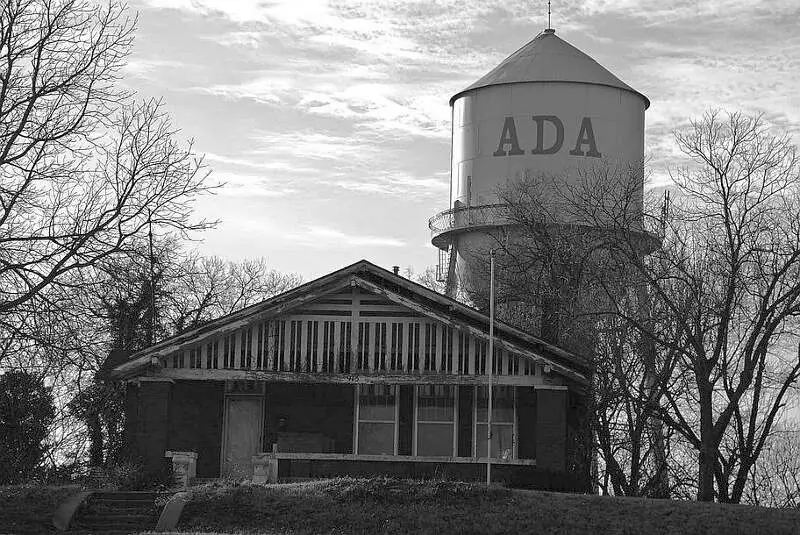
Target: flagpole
[490,366]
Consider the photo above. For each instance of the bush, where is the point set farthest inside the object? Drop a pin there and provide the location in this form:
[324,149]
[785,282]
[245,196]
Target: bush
[26,411]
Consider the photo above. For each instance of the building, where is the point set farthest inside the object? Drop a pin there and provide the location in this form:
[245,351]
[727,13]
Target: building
[358,372]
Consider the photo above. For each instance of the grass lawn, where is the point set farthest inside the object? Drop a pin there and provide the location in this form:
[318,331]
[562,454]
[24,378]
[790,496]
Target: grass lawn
[29,508]
[393,506]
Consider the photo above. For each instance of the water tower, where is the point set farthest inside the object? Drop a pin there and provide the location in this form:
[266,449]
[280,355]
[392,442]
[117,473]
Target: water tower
[548,109]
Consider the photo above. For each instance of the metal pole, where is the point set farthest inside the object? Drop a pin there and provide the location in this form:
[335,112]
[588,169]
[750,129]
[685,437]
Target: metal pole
[490,362]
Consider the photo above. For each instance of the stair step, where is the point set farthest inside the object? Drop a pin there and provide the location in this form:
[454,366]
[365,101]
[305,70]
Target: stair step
[119,512]
[129,495]
[128,509]
[123,515]
[105,527]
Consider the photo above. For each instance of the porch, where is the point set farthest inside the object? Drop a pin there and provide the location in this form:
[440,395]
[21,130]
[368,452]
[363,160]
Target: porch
[317,430]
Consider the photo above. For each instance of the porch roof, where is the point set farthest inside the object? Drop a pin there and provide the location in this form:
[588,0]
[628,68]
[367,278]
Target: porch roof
[373,278]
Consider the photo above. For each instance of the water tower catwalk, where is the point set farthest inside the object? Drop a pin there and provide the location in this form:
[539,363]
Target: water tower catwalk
[546,110]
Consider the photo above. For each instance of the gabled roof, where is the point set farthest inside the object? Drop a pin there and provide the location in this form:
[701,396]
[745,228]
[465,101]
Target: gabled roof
[548,58]
[377,280]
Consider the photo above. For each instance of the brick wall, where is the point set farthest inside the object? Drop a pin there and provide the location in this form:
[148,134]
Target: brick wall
[147,412]
[551,429]
[196,423]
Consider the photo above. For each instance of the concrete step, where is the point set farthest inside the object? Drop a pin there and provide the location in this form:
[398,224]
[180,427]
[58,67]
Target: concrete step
[129,495]
[132,508]
[105,527]
[119,515]
[121,512]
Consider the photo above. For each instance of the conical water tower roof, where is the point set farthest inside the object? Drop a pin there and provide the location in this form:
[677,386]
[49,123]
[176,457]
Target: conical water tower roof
[548,58]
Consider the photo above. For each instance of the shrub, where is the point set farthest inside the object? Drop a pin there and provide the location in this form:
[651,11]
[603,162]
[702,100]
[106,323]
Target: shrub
[129,475]
[26,411]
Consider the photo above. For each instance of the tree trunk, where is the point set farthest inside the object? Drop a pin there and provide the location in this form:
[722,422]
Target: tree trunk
[707,455]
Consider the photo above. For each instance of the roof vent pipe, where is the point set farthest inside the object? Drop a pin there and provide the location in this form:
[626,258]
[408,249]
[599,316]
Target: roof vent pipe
[396,270]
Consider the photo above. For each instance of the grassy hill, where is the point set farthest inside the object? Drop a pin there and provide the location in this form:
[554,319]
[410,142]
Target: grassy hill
[393,506]
[29,508]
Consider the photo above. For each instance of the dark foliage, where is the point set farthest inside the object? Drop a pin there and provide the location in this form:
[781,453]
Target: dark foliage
[26,411]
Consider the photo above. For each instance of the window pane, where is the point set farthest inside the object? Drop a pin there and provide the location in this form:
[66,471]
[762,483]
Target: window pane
[436,403]
[502,440]
[375,439]
[435,439]
[502,403]
[376,402]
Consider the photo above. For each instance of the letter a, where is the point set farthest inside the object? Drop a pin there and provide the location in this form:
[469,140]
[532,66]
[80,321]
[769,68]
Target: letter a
[509,137]
[556,146]
[586,137]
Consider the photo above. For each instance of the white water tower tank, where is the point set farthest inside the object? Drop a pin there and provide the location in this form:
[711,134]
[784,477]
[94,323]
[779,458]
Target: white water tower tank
[548,109]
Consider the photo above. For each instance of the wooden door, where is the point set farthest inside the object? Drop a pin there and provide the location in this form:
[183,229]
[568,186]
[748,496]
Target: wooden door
[243,427]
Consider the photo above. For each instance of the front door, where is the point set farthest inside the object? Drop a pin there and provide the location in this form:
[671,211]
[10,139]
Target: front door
[243,424]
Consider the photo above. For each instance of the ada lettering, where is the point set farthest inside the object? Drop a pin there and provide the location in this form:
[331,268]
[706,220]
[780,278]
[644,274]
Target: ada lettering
[509,141]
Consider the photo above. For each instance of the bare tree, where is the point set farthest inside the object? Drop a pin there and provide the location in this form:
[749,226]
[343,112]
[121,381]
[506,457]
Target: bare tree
[775,479]
[205,288]
[83,170]
[726,279]
[711,312]
[555,274]
[427,278]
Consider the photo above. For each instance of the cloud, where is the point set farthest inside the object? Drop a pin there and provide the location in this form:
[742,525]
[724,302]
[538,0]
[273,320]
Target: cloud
[329,238]
[259,162]
[395,184]
[252,186]
[145,68]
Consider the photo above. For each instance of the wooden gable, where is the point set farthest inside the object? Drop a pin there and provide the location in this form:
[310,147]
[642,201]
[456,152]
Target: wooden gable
[360,324]
[352,335]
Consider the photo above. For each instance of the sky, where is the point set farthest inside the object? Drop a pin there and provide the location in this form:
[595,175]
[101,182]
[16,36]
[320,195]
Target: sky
[328,122]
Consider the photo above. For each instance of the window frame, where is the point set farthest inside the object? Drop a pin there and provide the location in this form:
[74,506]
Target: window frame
[358,419]
[453,422]
[513,424]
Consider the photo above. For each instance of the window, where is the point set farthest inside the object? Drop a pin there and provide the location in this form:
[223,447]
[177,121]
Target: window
[502,421]
[436,420]
[377,410]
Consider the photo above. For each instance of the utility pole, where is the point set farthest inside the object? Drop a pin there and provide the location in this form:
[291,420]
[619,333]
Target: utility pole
[490,366]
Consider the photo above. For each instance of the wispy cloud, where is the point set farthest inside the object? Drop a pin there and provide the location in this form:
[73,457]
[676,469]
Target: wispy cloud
[148,68]
[329,238]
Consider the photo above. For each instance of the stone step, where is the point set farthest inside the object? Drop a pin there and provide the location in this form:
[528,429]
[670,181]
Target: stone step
[105,527]
[120,506]
[128,495]
[120,512]
[122,515]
